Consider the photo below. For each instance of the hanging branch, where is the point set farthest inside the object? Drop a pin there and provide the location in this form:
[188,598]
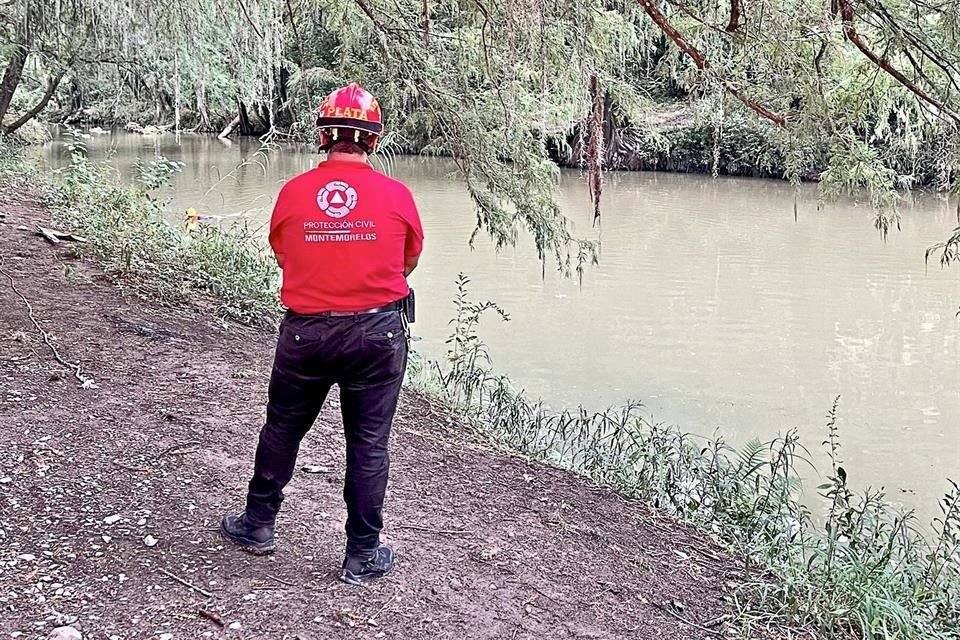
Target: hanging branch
[303,69]
[848,14]
[595,147]
[701,62]
[370,14]
[425,12]
[256,29]
[949,68]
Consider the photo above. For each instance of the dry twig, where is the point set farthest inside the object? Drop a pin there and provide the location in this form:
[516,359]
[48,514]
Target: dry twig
[128,467]
[173,576]
[282,581]
[446,532]
[677,616]
[85,381]
[212,616]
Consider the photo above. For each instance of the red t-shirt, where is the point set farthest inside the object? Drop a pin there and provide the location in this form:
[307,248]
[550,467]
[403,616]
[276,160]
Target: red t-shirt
[342,233]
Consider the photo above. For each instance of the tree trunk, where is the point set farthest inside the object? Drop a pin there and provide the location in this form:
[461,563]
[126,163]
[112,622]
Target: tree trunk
[204,117]
[246,129]
[13,74]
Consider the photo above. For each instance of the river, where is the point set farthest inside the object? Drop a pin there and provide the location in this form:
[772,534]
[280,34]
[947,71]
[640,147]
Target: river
[712,303]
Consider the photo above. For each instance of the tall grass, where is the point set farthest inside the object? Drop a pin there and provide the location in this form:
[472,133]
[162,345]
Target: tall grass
[128,234]
[863,568]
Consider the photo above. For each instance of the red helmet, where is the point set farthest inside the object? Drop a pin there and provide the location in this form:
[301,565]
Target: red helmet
[350,113]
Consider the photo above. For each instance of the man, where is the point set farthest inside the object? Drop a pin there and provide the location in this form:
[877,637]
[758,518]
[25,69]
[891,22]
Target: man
[346,237]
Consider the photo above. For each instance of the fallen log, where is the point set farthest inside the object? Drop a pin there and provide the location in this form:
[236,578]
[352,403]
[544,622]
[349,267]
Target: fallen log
[54,236]
[230,127]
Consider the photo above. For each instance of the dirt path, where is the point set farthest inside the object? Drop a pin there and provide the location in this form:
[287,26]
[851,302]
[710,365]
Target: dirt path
[489,546]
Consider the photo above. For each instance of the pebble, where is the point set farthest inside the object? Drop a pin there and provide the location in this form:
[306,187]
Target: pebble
[27,557]
[235,626]
[65,633]
[112,519]
[150,541]
[166,636]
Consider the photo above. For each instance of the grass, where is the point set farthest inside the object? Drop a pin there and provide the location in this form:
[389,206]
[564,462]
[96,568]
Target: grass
[861,569]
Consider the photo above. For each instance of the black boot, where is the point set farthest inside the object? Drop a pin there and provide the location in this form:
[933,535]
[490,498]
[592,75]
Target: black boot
[360,570]
[254,539]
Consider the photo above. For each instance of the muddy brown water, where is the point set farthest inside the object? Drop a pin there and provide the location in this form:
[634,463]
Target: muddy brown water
[713,303]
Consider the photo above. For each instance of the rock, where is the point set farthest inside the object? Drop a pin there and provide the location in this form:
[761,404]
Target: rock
[112,519]
[27,557]
[235,626]
[166,636]
[150,541]
[65,633]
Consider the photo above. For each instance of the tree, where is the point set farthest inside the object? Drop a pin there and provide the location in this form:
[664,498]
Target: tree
[863,94]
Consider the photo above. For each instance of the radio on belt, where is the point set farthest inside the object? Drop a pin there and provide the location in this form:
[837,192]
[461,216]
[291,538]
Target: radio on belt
[409,307]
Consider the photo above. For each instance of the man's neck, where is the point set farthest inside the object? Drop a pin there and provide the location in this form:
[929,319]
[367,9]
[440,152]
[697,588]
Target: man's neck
[340,156]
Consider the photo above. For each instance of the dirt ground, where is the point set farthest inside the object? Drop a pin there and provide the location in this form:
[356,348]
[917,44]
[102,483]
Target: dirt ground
[110,497]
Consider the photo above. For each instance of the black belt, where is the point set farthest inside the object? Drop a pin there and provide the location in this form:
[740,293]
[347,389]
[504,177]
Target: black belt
[393,306]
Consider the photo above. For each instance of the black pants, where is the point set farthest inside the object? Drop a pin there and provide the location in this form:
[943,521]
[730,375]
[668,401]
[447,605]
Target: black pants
[366,355]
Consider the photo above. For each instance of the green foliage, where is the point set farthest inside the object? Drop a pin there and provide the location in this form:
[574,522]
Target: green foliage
[861,570]
[226,269]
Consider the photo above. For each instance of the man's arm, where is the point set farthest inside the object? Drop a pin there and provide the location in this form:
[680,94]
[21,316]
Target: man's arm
[276,224]
[410,263]
[414,242]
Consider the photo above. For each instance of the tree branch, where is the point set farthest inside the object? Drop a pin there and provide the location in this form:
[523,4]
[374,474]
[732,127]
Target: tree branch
[370,14]
[735,8]
[243,7]
[848,14]
[303,58]
[52,85]
[949,67]
[425,11]
[652,10]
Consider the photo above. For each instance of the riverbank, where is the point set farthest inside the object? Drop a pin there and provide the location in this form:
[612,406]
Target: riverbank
[112,494]
[861,568]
